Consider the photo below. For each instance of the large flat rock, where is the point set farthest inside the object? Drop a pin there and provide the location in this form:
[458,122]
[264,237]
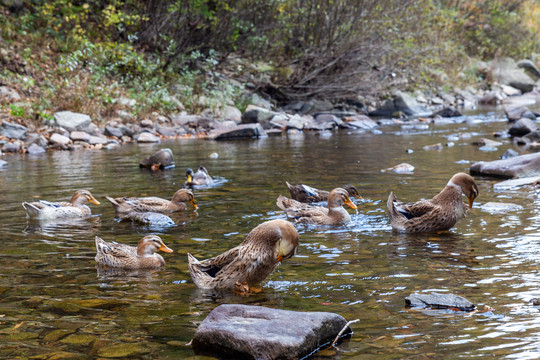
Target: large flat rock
[256,332]
[439,301]
[72,121]
[245,131]
[516,167]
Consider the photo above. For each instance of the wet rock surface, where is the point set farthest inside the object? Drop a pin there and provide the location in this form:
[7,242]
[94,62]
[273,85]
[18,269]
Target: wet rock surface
[245,131]
[518,167]
[439,301]
[161,159]
[246,331]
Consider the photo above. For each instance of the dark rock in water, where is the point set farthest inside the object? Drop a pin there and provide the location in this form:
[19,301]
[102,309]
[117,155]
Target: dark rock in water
[255,114]
[149,218]
[35,149]
[161,159]
[515,167]
[439,301]
[514,113]
[448,112]
[246,331]
[13,131]
[240,132]
[523,127]
[535,301]
[509,153]
[401,103]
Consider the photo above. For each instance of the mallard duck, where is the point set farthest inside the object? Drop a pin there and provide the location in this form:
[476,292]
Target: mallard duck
[250,262]
[76,208]
[112,254]
[307,194]
[440,213]
[154,204]
[334,214]
[201,177]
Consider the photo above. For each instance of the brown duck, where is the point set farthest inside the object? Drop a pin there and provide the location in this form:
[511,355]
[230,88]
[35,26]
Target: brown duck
[440,213]
[76,208]
[249,263]
[307,194]
[334,214]
[115,255]
[154,204]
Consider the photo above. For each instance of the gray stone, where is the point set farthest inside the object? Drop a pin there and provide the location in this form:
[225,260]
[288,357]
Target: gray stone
[530,68]
[247,331]
[439,301]
[256,114]
[515,183]
[13,131]
[80,136]
[163,157]
[447,112]
[240,132]
[184,120]
[516,167]
[279,121]
[147,123]
[487,142]
[147,137]
[38,139]
[401,103]
[3,163]
[231,113]
[328,118]
[523,100]
[522,127]
[296,122]
[509,153]
[505,71]
[8,94]
[71,121]
[13,147]
[514,113]
[491,98]
[59,139]
[35,149]
[361,122]
[98,140]
[113,131]
[510,91]
[166,131]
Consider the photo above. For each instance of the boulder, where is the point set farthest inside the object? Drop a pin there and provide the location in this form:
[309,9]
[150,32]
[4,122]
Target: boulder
[166,131]
[256,114]
[147,137]
[38,139]
[13,131]
[231,113]
[515,183]
[361,122]
[163,157]
[523,100]
[13,147]
[439,301]
[247,331]
[35,149]
[57,139]
[514,113]
[491,98]
[71,121]
[79,136]
[510,91]
[516,167]
[522,127]
[506,71]
[447,112]
[113,131]
[530,68]
[240,132]
[98,140]
[487,142]
[296,122]
[147,123]
[401,103]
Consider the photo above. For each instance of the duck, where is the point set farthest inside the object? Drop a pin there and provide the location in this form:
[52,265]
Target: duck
[124,205]
[249,263]
[308,194]
[334,214]
[199,178]
[75,208]
[440,213]
[144,256]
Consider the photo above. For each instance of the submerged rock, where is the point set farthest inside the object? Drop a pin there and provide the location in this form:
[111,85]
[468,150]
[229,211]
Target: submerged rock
[518,167]
[241,331]
[523,127]
[123,350]
[161,159]
[513,183]
[439,301]
[500,207]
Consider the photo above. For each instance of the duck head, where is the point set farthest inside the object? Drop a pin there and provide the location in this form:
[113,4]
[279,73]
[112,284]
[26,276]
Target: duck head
[81,197]
[467,184]
[184,196]
[149,244]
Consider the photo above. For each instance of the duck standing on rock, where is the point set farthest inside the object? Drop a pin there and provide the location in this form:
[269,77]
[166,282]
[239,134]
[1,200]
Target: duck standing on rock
[249,263]
[307,194]
[126,205]
[334,214]
[144,256]
[76,208]
[199,178]
[440,213]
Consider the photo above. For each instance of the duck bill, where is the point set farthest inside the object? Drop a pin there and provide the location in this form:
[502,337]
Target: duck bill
[471,200]
[279,258]
[193,203]
[93,200]
[358,196]
[165,248]
[350,204]
[189,179]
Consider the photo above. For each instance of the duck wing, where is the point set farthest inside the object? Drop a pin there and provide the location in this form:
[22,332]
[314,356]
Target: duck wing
[416,209]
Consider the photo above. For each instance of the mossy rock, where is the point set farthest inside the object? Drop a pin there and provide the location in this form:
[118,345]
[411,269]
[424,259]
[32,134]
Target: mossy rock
[23,336]
[79,339]
[122,351]
[59,355]
[57,334]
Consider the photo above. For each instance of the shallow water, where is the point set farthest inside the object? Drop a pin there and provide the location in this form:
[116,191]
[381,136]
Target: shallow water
[54,301]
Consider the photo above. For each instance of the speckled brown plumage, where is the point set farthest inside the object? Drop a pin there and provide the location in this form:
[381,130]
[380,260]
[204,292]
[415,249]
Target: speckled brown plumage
[199,178]
[250,262]
[154,204]
[440,213]
[115,255]
[307,194]
[334,214]
[76,208]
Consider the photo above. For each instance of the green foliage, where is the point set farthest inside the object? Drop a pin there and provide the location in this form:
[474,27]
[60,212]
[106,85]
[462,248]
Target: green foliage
[16,111]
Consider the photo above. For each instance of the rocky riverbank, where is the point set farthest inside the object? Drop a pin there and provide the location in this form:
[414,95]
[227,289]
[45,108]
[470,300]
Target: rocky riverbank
[514,85]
